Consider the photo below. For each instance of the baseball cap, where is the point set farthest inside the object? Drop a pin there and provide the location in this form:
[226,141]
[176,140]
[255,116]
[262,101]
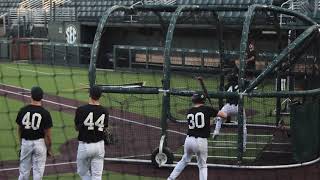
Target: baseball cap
[95,92]
[36,93]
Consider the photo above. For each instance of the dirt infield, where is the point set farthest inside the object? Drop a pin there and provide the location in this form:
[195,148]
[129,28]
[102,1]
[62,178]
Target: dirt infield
[137,136]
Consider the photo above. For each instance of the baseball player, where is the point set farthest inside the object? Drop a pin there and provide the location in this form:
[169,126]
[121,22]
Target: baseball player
[230,109]
[34,131]
[91,120]
[196,141]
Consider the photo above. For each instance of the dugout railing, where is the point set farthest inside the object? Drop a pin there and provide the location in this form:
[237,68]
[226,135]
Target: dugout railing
[145,57]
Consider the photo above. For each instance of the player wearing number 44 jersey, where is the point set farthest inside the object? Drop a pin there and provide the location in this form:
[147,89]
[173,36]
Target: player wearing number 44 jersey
[34,124]
[196,141]
[90,121]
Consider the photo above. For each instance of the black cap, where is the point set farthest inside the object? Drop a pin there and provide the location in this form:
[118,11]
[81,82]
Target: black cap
[198,98]
[95,92]
[36,93]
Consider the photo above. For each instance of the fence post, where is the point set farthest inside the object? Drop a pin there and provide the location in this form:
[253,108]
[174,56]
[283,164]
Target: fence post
[30,52]
[130,58]
[52,54]
[114,57]
[147,58]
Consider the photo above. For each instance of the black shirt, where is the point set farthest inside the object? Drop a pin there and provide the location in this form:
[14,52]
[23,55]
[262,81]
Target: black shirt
[232,87]
[33,120]
[91,120]
[251,64]
[199,121]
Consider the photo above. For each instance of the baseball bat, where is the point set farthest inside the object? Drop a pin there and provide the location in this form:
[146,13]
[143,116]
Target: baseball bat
[205,91]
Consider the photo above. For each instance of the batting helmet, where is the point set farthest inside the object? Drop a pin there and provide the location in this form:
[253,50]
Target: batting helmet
[198,98]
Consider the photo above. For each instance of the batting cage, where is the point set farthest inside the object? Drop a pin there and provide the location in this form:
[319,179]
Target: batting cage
[148,73]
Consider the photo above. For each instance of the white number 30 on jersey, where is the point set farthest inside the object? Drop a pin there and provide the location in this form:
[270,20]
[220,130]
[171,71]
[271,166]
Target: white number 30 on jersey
[196,120]
[99,123]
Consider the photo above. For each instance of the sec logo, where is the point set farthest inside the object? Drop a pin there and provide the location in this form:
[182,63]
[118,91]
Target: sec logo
[71,34]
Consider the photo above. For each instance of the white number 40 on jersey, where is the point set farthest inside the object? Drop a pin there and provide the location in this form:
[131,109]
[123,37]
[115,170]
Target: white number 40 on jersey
[33,123]
[99,123]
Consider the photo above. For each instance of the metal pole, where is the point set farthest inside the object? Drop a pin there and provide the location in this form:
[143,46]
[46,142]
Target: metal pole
[51,10]
[54,11]
[18,23]
[222,59]
[96,42]
[279,72]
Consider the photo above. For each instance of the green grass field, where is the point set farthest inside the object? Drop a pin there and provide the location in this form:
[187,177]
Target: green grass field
[70,81]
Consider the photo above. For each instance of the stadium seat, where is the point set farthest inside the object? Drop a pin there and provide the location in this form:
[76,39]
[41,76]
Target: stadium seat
[95,8]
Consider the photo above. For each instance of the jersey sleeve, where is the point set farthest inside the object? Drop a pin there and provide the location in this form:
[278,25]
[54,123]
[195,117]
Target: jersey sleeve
[19,117]
[48,121]
[77,118]
[212,112]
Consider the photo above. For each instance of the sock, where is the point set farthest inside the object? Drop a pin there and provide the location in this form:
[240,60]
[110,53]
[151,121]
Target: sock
[218,125]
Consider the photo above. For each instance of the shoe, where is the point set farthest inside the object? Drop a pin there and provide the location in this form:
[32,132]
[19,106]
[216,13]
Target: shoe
[244,147]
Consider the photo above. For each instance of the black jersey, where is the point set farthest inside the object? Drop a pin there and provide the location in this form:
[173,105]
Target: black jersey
[199,121]
[232,87]
[91,120]
[33,120]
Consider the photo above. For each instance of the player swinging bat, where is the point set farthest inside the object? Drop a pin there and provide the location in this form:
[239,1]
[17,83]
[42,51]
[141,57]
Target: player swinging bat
[230,109]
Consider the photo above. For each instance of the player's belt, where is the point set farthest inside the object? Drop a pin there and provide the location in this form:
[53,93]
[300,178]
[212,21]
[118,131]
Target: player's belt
[88,142]
[196,136]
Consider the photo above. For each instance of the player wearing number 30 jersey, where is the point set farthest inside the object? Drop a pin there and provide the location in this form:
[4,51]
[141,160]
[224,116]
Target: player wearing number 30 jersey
[90,121]
[34,130]
[196,141]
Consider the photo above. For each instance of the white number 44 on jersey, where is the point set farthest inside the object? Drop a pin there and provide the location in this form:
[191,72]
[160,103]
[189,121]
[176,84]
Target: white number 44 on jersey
[99,123]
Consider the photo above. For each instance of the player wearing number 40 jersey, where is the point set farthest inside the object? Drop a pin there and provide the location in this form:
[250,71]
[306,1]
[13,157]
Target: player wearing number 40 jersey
[90,121]
[34,124]
[199,123]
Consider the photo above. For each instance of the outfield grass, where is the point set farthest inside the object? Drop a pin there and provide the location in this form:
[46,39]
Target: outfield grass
[70,81]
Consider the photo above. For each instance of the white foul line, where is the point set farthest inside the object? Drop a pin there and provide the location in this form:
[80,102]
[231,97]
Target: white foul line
[38,72]
[47,165]
[27,70]
[72,162]
[114,117]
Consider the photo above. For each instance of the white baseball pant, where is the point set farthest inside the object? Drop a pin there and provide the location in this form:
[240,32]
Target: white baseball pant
[199,147]
[90,159]
[33,154]
[232,110]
